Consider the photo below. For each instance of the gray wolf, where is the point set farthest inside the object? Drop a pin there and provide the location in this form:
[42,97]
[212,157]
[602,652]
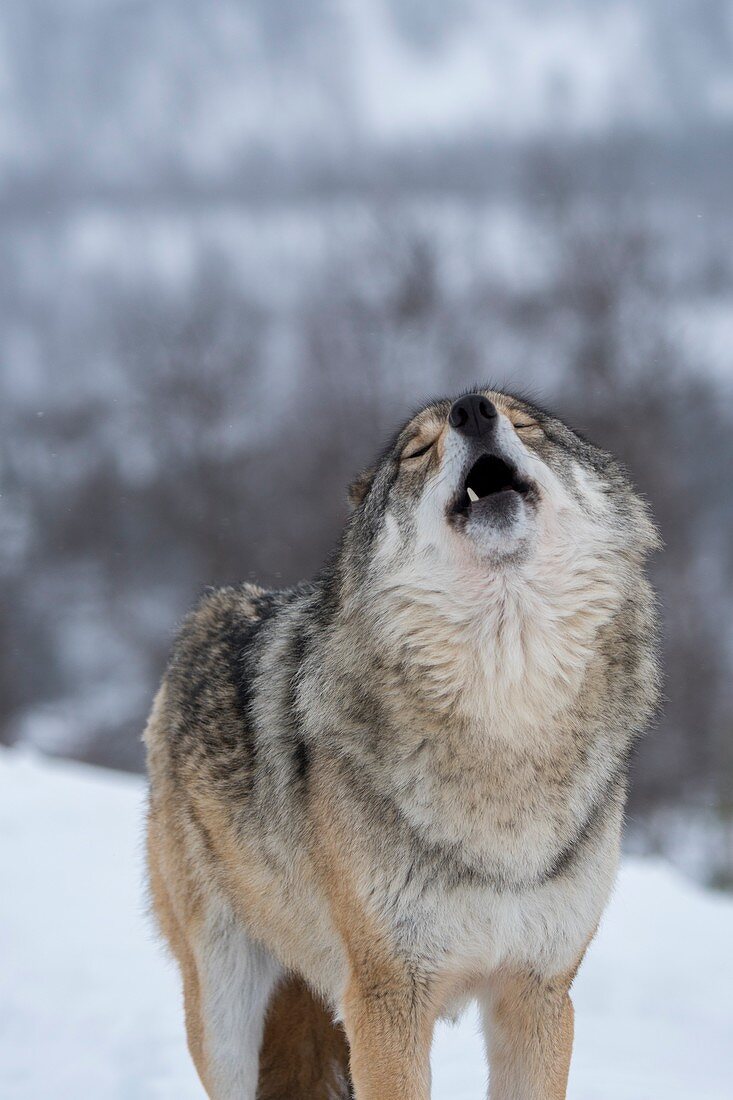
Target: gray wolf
[399,788]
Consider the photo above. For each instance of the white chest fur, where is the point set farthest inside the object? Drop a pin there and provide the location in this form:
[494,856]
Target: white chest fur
[467,933]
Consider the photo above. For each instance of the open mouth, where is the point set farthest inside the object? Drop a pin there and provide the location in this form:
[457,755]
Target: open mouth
[490,476]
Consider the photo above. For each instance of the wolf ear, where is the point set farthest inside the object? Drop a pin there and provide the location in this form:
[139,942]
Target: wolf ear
[361,486]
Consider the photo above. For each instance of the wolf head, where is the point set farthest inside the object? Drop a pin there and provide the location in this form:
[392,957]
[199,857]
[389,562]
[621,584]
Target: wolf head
[491,480]
[492,539]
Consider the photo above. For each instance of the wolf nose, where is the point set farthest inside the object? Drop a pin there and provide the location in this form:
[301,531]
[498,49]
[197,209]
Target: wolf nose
[473,415]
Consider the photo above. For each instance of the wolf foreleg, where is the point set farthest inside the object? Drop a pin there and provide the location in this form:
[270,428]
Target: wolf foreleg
[389,1026]
[529,1033]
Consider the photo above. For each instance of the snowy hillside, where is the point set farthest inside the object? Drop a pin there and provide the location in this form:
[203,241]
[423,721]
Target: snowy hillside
[90,1007]
[192,85]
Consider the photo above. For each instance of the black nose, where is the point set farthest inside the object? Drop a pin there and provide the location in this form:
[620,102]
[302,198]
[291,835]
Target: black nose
[473,415]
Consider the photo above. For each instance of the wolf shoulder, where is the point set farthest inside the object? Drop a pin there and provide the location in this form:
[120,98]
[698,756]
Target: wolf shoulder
[209,683]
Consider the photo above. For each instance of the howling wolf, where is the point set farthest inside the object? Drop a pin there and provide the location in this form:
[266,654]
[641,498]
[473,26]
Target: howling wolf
[400,787]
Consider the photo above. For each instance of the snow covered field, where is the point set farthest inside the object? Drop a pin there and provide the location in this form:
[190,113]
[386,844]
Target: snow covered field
[90,1007]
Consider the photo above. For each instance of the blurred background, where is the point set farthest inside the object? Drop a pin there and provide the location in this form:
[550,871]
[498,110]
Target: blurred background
[240,241]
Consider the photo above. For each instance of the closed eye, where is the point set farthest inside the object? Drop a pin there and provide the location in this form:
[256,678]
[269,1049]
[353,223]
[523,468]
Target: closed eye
[529,424]
[419,452]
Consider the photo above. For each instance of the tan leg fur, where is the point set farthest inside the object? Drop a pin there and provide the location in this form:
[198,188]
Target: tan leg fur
[304,1053]
[529,1024]
[174,934]
[390,1026]
[388,1007]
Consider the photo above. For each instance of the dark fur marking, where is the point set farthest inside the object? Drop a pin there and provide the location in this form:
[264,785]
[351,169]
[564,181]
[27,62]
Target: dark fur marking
[301,760]
[593,821]
[447,861]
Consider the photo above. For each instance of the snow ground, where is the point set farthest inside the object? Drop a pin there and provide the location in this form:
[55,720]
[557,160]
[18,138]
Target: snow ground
[89,1005]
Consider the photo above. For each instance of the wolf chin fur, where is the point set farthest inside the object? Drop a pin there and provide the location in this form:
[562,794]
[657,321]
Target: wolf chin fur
[401,787]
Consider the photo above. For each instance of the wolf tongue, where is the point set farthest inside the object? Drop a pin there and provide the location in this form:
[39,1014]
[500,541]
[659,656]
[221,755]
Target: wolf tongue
[471,495]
